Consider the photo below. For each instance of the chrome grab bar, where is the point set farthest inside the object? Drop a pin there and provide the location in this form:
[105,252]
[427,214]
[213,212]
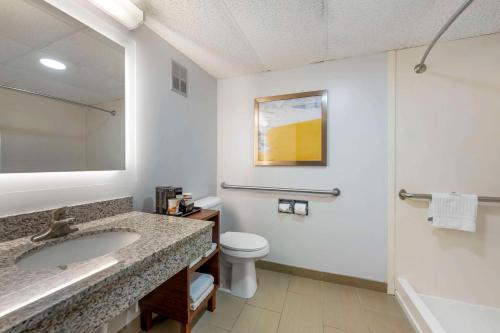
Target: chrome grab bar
[405,195]
[335,192]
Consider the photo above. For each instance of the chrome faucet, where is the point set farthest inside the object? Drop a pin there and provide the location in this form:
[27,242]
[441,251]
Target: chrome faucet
[59,225]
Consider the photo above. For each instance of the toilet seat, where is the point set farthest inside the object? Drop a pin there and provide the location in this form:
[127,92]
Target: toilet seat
[246,254]
[242,242]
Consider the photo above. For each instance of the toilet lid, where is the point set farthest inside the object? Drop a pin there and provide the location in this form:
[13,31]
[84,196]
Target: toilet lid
[242,241]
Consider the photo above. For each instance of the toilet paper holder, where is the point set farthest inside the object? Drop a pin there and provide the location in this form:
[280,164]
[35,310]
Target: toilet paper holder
[287,206]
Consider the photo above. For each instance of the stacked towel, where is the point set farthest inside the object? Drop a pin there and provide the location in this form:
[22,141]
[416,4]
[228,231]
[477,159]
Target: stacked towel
[200,283]
[454,211]
[197,303]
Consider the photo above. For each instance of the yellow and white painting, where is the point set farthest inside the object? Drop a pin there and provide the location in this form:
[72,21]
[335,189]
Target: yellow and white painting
[290,130]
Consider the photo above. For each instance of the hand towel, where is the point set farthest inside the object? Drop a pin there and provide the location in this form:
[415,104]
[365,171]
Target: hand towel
[454,211]
[199,283]
[195,305]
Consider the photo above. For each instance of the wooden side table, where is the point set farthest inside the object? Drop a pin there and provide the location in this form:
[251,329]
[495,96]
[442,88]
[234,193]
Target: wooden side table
[171,299]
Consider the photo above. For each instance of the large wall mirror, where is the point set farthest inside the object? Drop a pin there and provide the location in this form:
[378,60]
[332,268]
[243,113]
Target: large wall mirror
[62,93]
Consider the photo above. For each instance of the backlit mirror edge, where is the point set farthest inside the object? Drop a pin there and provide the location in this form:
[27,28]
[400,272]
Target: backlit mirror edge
[82,183]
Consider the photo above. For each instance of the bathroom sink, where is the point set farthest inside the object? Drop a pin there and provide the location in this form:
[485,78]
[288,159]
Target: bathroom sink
[78,249]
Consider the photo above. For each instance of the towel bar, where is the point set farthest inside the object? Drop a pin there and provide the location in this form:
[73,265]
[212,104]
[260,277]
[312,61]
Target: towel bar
[405,195]
[335,192]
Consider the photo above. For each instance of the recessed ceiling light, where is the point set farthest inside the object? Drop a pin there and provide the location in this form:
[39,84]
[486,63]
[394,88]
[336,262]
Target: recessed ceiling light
[54,64]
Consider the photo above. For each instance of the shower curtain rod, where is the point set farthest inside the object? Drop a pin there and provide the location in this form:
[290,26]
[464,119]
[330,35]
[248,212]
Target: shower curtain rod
[421,67]
[112,112]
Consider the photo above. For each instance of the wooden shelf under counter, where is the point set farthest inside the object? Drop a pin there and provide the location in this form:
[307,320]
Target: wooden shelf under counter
[171,299]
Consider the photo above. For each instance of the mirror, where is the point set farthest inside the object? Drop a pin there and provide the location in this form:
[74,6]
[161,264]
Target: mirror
[62,93]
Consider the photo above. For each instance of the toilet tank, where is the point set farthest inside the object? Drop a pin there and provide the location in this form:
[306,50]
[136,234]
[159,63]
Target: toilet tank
[214,203]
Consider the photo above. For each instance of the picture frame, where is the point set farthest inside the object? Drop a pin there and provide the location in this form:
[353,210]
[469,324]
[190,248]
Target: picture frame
[291,129]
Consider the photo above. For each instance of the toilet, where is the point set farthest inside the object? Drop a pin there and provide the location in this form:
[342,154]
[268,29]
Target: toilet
[239,251]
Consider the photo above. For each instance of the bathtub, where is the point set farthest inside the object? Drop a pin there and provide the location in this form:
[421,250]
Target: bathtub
[430,314]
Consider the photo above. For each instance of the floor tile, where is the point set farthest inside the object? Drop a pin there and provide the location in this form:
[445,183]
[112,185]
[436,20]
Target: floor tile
[207,328]
[271,290]
[301,313]
[328,329]
[253,319]
[228,309]
[172,326]
[387,323]
[340,294]
[350,318]
[342,308]
[305,286]
[381,302]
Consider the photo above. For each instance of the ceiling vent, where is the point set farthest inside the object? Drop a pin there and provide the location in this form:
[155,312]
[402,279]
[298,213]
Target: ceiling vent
[179,79]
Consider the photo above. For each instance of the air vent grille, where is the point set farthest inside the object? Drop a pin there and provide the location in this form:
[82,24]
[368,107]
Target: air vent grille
[179,79]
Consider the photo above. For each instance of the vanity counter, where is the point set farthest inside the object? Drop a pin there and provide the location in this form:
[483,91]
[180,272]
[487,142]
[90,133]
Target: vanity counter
[82,296]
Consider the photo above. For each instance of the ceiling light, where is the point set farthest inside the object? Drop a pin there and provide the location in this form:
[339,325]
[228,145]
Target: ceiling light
[123,11]
[54,64]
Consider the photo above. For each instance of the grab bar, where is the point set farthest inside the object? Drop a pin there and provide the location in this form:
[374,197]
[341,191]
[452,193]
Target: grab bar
[405,195]
[335,192]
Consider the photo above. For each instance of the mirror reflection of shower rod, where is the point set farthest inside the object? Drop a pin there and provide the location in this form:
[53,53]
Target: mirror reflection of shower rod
[111,112]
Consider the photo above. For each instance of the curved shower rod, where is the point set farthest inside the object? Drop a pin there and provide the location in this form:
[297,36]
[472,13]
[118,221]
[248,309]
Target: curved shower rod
[421,67]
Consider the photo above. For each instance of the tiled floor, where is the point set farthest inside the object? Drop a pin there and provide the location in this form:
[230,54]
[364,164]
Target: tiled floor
[290,304]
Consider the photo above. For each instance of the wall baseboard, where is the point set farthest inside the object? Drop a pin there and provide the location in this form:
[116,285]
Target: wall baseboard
[323,276]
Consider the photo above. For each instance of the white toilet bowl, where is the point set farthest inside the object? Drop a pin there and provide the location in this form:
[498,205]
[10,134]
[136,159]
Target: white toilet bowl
[240,250]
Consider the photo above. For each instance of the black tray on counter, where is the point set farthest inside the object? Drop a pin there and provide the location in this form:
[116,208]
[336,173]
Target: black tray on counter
[180,214]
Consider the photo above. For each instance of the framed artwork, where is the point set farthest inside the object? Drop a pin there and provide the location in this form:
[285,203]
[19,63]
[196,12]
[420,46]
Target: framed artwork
[291,129]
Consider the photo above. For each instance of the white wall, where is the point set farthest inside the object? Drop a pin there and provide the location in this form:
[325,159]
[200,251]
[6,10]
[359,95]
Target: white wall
[105,137]
[40,135]
[176,136]
[346,235]
[448,139]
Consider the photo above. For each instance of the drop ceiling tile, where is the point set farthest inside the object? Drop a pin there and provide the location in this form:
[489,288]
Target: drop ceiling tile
[30,23]
[82,49]
[10,49]
[89,79]
[357,27]
[206,31]
[481,17]
[25,80]
[283,33]
[236,37]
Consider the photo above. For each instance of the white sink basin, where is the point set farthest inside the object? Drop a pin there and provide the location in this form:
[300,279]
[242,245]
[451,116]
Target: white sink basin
[78,249]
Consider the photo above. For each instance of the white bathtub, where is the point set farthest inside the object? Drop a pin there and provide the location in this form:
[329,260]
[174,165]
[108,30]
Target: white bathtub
[430,314]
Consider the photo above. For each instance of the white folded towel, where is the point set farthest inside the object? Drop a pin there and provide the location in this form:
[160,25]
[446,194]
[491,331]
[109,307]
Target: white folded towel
[199,284]
[454,211]
[195,305]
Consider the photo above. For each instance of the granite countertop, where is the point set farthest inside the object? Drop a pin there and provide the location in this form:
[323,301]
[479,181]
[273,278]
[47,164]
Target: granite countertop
[59,300]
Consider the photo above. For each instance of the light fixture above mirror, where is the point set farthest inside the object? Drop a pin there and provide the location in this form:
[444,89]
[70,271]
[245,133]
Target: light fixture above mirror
[124,11]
